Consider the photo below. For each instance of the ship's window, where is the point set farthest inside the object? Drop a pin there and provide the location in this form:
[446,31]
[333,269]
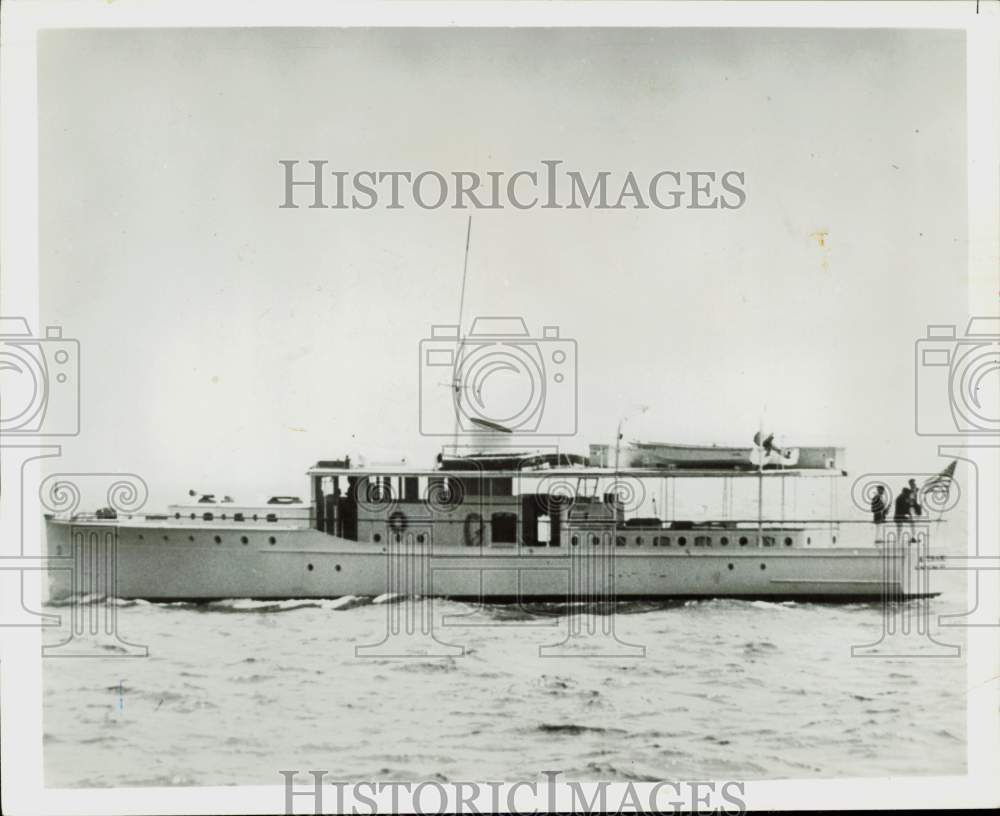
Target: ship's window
[140,536]
[665,541]
[272,540]
[223,516]
[207,516]
[743,541]
[420,538]
[471,486]
[309,567]
[501,487]
[411,489]
[377,537]
[192,517]
[574,541]
[272,517]
[835,539]
[724,541]
[788,542]
[218,539]
[254,516]
[543,529]
[768,541]
[682,541]
[237,517]
[177,515]
[244,540]
[763,566]
[595,540]
[730,566]
[703,541]
[638,541]
[809,540]
[166,538]
[337,567]
[503,528]
[620,541]
[190,538]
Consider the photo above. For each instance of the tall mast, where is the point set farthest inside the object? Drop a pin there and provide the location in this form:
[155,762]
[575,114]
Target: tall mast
[455,384]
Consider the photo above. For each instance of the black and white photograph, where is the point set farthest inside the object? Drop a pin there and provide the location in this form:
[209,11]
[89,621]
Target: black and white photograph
[499,407]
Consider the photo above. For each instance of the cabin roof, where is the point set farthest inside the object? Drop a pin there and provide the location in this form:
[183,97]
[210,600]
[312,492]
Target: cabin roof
[578,472]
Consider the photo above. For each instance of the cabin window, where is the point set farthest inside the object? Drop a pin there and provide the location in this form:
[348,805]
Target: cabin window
[788,542]
[272,517]
[503,528]
[682,541]
[377,537]
[638,541]
[743,541]
[411,489]
[501,487]
[574,540]
[724,541]
[543,530]
[471,486]
[238,517]
[620,541]
[595,540]
[768,541]
[703,541]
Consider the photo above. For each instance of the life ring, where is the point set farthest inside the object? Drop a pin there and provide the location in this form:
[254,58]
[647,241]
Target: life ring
[472,530]
[398,521]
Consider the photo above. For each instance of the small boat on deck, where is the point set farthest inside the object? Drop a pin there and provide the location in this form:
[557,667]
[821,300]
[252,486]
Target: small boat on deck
[673,456]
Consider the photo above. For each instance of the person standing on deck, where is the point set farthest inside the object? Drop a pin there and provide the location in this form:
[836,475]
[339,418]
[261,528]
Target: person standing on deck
[915,508]
[880,505]
[901,513]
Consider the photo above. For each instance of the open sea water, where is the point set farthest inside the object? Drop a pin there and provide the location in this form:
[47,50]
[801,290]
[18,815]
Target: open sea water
[234,691]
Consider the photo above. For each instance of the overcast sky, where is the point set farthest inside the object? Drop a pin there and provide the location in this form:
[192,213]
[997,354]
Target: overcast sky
[227,344]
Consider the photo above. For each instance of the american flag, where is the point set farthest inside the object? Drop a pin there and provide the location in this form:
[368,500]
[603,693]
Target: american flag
[940,485]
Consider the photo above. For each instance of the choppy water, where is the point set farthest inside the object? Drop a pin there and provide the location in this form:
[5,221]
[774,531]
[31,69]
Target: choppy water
[234,691]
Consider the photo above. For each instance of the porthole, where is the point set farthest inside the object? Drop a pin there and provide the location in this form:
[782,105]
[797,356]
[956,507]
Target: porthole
[177,515]
[337,568]
[166,538]
[595,540]
[218,539]
[207,516]
[620,541]
[398,539]
[420,538]
[724,541]
[763,566]
[254,516]
[377,537]
[190,538]
[809,540]
[272,540]
[309,567]
[743,541]
[788,542]
[141,536]
[730,566]
[238,517]
[682,541]
[574,541]
[835,539]
[638,541]
[223,516]
[192,517]
[272,517]
[244,540]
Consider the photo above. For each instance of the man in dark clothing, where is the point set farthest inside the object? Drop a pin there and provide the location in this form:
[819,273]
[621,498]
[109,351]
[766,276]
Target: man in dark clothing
[901,513]
[880,505]
[915,508]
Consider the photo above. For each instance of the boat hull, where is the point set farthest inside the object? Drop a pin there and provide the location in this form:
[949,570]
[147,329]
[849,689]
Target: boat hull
[173,562]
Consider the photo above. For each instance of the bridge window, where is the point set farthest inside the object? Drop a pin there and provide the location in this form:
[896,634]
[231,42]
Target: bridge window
[503,528]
